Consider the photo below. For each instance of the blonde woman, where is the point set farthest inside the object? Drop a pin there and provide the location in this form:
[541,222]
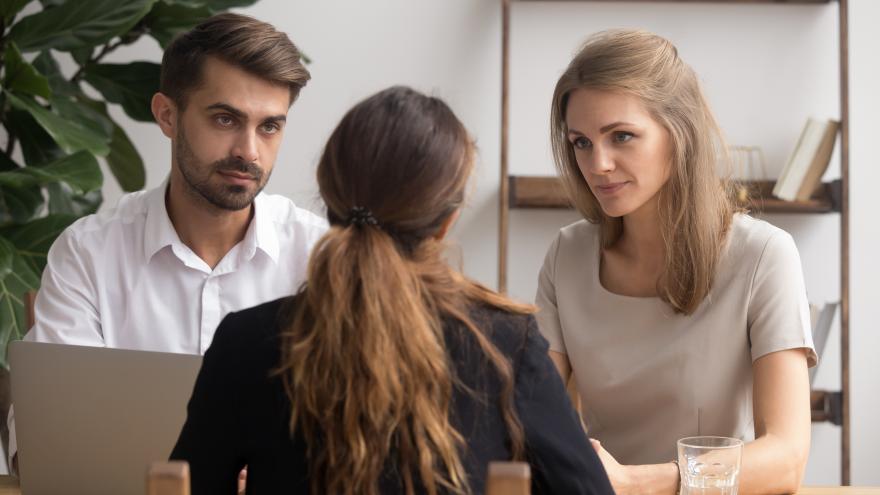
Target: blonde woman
[389,372]
[675,314]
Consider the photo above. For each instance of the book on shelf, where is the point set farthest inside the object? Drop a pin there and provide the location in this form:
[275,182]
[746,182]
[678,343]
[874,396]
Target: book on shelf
[808,162]
[821,319]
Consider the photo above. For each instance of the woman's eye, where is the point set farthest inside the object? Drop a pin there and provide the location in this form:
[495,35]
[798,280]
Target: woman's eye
[622,137]
[581,143]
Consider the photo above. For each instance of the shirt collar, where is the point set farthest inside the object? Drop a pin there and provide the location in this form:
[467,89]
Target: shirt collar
[159,231]
[265,236]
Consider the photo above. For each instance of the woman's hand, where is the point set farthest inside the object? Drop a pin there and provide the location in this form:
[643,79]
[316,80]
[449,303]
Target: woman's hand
[618,474]
[660,479]
[242,481]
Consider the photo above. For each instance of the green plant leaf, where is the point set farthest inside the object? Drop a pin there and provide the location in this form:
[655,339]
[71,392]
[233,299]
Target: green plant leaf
[166,20]
[214,5]
[221,5]
[82,55]
[33,239]
[48,66]
[70,135]
[64,200]
[37,146]
[7,163]
[13,286]
[130,85]
[80,171]
[22,77]
[125,162]
[19,204]
[78,23]
[7,254]
[82,112]
[9,8]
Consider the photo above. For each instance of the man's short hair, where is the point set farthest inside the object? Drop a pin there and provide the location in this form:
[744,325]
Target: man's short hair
[254,46]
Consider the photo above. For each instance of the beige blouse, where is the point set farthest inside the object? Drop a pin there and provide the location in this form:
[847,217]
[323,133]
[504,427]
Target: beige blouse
[647,376]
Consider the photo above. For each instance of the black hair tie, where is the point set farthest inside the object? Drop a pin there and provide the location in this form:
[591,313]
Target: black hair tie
[361,216]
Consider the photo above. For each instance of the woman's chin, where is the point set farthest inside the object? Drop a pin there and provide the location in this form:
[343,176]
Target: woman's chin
[615,210]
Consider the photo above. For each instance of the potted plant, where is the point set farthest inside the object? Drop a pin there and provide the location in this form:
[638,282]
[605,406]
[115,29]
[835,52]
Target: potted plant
[57,127]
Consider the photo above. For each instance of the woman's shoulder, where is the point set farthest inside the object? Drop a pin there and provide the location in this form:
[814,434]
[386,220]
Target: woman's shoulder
[750,237]
[508,331]
[573,243]
[578,232]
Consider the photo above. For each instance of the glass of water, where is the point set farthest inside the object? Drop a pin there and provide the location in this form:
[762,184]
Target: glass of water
[709,465]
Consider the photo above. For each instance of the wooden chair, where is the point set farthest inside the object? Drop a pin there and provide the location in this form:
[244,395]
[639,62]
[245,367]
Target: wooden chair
[168,478]
[30,297]
[509,478]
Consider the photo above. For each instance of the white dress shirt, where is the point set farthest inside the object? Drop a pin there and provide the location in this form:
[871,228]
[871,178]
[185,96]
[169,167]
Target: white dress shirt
[124,279]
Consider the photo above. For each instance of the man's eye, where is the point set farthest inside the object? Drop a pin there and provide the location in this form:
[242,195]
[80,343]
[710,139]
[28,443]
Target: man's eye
[224,120]
[581,143]
[271,128]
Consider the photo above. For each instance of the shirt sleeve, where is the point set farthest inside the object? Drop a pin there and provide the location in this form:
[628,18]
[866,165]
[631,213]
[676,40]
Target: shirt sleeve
[548,312]
[562,459]
[778,313]
[210,438]
[65,310]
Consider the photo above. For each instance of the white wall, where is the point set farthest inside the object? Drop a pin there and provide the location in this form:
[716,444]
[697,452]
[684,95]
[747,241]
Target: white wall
[865,239]
[766,68]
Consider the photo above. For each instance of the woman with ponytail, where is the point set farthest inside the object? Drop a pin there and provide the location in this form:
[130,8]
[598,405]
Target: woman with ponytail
[389,372]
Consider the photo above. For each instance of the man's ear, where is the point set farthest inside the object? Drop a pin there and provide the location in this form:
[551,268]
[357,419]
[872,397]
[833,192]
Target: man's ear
[165,113]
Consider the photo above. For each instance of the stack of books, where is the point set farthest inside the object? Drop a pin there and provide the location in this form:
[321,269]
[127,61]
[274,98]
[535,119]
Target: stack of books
[821,317]
[803,172]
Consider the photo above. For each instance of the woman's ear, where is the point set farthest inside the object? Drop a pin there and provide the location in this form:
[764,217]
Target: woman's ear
[447,224]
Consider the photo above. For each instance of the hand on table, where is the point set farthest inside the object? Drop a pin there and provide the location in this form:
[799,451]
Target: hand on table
[618,474]
[642,480]
[242,481]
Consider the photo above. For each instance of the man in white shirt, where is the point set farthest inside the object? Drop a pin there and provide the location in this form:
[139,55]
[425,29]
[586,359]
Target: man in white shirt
[163,268]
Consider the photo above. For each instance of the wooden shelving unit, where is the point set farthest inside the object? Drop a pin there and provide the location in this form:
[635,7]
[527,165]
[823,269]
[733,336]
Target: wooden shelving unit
[830,198]
[547,192]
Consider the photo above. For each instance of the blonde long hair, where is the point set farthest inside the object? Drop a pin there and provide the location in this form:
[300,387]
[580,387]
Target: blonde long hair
[695,205]
[364,359]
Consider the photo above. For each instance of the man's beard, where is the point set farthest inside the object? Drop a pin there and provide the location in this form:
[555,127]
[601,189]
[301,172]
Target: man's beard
[198,178]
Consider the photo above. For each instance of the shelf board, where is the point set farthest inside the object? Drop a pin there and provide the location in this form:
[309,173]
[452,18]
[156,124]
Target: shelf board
[813,2]
[826,406]
[547,192]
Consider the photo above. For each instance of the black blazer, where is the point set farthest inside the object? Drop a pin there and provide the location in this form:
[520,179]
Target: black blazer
[238,414]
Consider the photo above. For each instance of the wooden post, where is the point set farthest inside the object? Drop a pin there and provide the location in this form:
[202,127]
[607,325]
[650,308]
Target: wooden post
[30,298]
[843,13]
[509,478]
[504,186]
[168,478]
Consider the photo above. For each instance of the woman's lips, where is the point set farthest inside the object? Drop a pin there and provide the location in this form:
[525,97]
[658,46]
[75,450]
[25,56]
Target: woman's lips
[611,188]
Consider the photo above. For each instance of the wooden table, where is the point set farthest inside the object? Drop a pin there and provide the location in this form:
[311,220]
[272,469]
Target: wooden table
[9,486]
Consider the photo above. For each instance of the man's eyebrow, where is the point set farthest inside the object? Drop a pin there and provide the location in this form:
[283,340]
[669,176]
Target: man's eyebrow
[275,118]
[226,108]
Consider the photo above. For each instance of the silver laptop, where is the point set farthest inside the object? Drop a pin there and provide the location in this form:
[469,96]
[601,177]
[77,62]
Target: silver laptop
[89,420]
